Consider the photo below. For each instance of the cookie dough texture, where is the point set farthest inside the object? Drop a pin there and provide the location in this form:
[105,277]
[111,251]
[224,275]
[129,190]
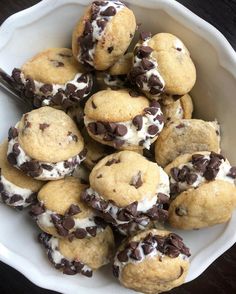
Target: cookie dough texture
[113,182]
[174,63]
[114,106]
[14,175]
[154,275]
[58,196]
[94,252]
[117,34]
[122,66]
[44,134]
[186,136]
[179,109]
[52,66]
[209,204]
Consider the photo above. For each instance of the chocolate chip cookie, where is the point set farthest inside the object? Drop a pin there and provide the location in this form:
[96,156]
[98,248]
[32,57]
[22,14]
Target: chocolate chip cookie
[103,34]
[16,189]
[53,78]
[80,255]
[162,64]
[45,144]
[128,191]
[202,189]
[186,136]
[152,262]
[61,213]
[123,119]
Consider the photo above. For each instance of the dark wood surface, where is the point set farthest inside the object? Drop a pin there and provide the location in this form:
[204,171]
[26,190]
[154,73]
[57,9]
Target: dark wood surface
[220,277]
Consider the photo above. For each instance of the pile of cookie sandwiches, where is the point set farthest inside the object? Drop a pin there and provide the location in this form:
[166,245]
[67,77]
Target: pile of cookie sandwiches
[110,154]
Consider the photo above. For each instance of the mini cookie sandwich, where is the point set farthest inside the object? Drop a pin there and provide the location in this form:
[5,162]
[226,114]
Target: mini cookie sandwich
[152,261]
[80,255]
[95,150]
[103,34]
[179,109]
[45,144]
[123,119]
[128,191]
[16,189]
[162,64]
[202,188]
[61,213]
[116,76]
[53,78]
[186,136]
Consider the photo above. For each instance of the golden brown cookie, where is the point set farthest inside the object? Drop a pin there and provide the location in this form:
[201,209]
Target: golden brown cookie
[61,213]
[123,119]
[162,64]
[79,256]
[16,189]
[128,191]
[45,144]
[202,188]
[186,136]
[53,77]
[103,34]
[152,261]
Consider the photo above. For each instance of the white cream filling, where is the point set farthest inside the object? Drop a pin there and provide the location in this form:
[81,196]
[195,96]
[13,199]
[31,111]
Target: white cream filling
[56,87]
[98,32]
[144,204]
[44,220]
[152,254]
[221,175]
[13,189]
[113,81]
[154,71]
[133,137]
[59,171]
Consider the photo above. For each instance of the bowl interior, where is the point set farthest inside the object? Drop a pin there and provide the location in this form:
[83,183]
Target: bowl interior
[48,26]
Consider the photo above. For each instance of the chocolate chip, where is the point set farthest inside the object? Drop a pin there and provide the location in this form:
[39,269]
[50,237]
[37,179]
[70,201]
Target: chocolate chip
[174,172]
[43,126]
[183,173]
[94,105]
[37,209]
[92,127]
[171,251]
[87,273]
[99,176]
[73,210]
[68,271]
[136,180]
[151,110]
[232,172]
[136,254]
[147,64]
[101,23]
[68,223]
[147,249]
[153,130]
[138,122]
[110,49]
[30,166]
[47,166]
[162,198]
[191,178]
[46,88]
[180,126]
[154,81]
[181,211]
[80,233]
[16,74]
[12,158]
[111,127]
[210,174]
[70,89]
[15,198]
[12,133]
[68,55]
[92,231]
[145,35]
[132,208]
[121,130]
[61,230]
[15,149]
[116,271]
[57,63]
[56,218]
[214,154]
[141,142]
[143,51]
[123,255]
[200,163]
[110,11]
[100,128]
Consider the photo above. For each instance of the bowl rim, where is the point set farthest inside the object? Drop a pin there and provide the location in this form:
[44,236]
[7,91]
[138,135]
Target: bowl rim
[227,59]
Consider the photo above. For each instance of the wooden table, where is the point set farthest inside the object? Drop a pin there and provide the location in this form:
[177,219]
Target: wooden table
[220,278]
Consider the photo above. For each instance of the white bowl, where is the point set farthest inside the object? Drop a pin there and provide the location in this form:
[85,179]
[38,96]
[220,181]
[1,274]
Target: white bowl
[49,24]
